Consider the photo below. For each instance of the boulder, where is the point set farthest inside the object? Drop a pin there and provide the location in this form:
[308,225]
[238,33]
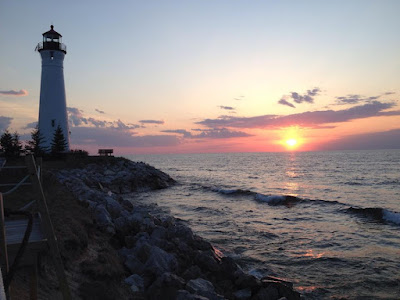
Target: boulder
[165,287]
[160,261]
[159,233]
[181,231]
[228,268]
[185,295]
[202,287]
[200,244]
[268,279]
[136,283]
[206,262]
[244,294]
[134,265]
[125,203]
[113,207]
[148,225]
[268,293]
[103,219]
[142,250]
[246,280]
[192,272]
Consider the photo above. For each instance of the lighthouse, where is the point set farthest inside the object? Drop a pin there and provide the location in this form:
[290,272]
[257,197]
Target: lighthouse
[53,105]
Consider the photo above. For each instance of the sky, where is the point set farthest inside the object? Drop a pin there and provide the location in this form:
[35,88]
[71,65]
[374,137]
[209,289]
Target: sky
[210,76]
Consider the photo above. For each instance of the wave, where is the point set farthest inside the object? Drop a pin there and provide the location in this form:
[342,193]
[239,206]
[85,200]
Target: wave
[273,200]
[390,216]
[278,199]
[377,213]
[233,191]
[354,183]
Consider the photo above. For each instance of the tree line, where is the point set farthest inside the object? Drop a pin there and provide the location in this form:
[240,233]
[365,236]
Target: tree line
[11,145]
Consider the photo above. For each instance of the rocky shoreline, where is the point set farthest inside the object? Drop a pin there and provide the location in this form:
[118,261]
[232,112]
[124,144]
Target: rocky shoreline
[162,258]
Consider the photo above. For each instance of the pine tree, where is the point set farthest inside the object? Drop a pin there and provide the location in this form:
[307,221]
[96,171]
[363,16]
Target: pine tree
[6,143]
[58,144]
[34,144]
[16,145]
[10,144]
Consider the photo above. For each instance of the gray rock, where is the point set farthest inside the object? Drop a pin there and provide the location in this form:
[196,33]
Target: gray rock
[192,272]
[113,207]
[185,295]
[125,203]
[228,268]
[167,221]
[124,253]
[103,219]
[136,283]
[201,287]
[142,250]
[200,243]
[129,241]
[134,265]
[267,279]
[160,261]
[148,225]
[170,279]
[244,294]
[122,225]
[247,280]
[181,231]
[165,287]
[289,293]
[136,218]
[206,261]
[268,293]
[159,233]
[108,172]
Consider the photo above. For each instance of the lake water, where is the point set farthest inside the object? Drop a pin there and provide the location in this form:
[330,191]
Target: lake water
[338,235]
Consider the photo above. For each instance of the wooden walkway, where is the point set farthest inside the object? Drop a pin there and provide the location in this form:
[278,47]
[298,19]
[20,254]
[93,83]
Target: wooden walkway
[15,230]
[42,236]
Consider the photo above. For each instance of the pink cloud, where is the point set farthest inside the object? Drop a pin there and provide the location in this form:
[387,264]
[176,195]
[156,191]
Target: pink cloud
[14,93]
[314,119]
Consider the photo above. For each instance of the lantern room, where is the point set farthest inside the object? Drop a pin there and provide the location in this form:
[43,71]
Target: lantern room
[52,41]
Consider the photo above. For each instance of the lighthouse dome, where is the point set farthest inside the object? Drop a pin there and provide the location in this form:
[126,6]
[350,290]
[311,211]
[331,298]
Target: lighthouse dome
[51,34]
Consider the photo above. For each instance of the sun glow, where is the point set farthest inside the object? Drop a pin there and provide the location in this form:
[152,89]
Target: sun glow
[291,142]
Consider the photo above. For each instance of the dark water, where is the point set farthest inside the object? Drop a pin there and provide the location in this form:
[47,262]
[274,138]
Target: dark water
[338,235]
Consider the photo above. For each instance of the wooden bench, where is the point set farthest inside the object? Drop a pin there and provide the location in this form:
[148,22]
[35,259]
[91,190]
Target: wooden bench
[106,152]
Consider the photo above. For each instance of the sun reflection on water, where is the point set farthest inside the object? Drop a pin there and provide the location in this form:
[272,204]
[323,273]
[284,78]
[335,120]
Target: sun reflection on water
[310,253]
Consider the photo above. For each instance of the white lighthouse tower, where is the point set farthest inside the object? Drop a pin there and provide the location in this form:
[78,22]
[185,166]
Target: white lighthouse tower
[53,105]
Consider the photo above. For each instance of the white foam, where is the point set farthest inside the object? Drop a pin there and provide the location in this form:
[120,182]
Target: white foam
[390,216]
[273,199]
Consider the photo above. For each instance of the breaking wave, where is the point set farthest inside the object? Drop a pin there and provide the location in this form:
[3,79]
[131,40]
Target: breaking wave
[374,213]
[233,191]
[377,214]
[278,199]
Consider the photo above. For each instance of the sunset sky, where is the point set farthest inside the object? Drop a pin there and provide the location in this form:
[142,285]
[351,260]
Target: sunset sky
[210,76]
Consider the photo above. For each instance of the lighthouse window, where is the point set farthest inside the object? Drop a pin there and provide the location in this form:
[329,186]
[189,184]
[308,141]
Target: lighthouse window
[53,122]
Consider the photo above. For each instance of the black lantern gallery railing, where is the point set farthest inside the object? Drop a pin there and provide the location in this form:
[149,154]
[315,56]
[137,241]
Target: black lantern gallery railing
[51,46]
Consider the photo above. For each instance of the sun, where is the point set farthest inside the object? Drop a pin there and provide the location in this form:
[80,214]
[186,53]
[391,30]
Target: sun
[292,138]
[291,142]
